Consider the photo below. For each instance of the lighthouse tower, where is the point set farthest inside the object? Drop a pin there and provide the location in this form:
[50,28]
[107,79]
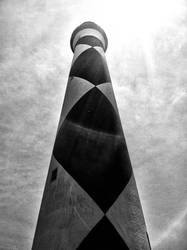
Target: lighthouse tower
[90,200]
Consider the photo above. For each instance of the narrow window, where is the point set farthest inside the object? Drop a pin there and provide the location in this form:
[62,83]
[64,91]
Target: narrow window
[54,175]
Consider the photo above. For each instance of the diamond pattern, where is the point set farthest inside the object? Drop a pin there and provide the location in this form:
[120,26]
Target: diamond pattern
[106,89]
[91,148]
[89,66]
[89,113]
[79,50]
[103,237]
[76,88]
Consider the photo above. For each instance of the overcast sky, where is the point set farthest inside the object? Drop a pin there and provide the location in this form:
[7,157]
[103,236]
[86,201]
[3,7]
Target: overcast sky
[147,59]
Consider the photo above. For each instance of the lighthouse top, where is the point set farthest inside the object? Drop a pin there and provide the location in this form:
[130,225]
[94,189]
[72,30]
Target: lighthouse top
[89,33]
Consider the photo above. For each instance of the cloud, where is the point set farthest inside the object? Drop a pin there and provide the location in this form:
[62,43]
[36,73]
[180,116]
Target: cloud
[35,58]
[34,68]
[175,236]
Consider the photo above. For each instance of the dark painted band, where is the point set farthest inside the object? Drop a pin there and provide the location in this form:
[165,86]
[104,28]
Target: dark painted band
[90,40]
[88,25]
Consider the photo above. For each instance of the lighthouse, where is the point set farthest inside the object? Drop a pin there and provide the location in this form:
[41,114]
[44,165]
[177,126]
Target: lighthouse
[90,199]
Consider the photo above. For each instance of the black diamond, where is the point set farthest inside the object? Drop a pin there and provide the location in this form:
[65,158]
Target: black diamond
[90,66]
[103,237]
[94,111]
[92,150]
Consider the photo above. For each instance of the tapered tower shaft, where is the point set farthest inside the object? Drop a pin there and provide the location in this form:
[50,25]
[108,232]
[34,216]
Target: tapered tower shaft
[90,200]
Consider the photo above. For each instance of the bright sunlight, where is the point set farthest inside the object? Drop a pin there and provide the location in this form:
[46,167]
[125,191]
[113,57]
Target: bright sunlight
[133,18]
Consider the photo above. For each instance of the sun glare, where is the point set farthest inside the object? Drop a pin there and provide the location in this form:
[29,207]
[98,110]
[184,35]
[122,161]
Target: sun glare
[132,24]
[133,18]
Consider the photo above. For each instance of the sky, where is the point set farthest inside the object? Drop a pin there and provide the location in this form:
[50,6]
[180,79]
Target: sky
[147,60]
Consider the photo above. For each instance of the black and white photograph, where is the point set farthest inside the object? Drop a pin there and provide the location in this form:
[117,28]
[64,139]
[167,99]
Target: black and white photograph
[93,125]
